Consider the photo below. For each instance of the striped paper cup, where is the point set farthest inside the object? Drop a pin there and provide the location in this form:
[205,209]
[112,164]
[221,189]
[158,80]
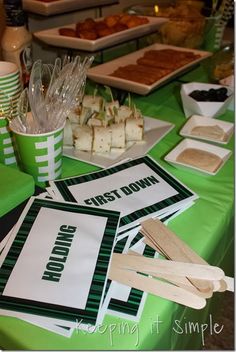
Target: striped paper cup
[7,154]
[40,155]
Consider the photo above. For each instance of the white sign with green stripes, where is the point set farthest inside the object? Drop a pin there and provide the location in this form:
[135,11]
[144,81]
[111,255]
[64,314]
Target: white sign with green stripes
[56,263]
[138,189]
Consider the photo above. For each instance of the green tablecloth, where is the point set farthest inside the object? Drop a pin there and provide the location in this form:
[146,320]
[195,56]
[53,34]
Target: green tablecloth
[207,227]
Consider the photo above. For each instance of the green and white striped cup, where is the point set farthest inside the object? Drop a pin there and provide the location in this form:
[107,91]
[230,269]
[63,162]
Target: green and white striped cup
[10,88]
[7,154]
[40,155]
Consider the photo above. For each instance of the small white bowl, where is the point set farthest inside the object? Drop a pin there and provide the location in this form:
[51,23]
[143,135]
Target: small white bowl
[208,109]
[202,121]
[222,153]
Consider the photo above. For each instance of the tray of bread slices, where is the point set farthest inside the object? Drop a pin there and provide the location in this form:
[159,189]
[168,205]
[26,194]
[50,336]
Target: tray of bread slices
[104,132]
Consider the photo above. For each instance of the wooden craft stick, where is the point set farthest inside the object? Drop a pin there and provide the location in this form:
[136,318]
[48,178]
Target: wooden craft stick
[200,285]
[230,283]
[150,243]
[185,284]
[180,281]
[223,285]
[174,248]
[156,287]
[216,285]
[192,256]
[167,267]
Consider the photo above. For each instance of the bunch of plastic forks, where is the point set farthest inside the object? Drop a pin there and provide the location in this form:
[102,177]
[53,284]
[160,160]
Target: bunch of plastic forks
[53,91]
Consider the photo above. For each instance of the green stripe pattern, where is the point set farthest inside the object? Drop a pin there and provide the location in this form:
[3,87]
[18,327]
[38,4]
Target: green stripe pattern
[89,314]
[7,153]
[183,192]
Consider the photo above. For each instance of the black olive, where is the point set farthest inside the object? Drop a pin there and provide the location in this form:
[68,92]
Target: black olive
[217,95]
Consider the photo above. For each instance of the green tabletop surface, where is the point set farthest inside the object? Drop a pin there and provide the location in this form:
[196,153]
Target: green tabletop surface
[207,227]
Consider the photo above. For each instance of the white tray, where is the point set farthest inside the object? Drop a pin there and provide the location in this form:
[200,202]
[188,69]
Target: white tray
[154,131]
[101,73]
[197,120]
[52,36]
[62,6]
[223,153]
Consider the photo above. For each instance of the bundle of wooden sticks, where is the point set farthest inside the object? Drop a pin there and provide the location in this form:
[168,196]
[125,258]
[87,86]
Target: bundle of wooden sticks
[184,278]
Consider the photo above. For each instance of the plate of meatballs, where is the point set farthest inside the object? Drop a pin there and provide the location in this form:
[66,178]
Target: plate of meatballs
[95,34]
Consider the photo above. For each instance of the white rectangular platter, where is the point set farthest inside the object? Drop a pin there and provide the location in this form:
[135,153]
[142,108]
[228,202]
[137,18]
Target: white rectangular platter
[202,121]
[101,73]
[52,36]
[222,153]
[62,6]
[154,131]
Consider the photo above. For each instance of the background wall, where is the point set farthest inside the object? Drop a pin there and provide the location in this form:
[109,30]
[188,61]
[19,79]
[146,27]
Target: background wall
[2,21]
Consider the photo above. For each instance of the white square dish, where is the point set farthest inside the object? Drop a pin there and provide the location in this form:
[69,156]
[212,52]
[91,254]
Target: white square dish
[187,143]
[208,129]
[204,108]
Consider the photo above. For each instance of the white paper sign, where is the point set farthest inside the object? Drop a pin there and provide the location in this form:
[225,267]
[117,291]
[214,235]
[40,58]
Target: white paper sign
[79,251]
[123,193]
[57,261]
[138,189]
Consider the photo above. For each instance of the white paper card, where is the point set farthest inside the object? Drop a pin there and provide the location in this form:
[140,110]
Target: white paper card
[138,189]
[57,261]
[31,266]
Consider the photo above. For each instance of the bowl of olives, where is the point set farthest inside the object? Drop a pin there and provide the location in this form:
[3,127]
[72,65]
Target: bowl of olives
[210,100]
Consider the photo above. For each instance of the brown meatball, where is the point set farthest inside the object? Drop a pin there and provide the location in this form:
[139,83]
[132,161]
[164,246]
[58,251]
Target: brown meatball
[68,32]
[112,20]
[90,35]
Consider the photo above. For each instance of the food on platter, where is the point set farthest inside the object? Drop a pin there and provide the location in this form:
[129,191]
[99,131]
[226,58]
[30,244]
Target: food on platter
[217,95]
[47,0]
[155,64]
[140,73]
[223,70]
[207,128]
[97,126]
[185,27]
[68,32]
[212,132]
[200,158]
[91,29]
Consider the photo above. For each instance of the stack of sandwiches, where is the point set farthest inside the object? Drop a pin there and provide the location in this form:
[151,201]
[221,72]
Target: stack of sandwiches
[97,126]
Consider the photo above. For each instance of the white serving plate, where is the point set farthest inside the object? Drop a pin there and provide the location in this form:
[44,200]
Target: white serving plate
[62,6]
[223,153]
[154,131]
[100,73]
[52,36]
[198,120]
